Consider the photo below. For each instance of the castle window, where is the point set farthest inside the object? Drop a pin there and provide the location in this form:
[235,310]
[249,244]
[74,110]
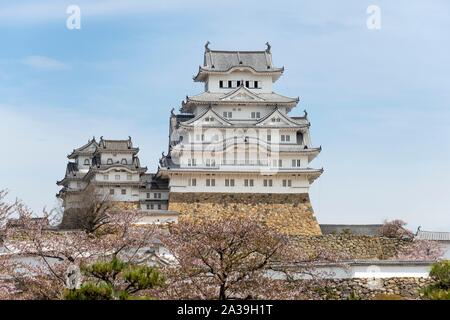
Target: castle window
[117,177]
[296,163]
[124,161]
[256,115]
[286,138]
[229,182]
[248,183]
[277,163]
[287,183]
[227,114]
[124,191]
[210,182]
[86,162]
[111,191]
[109,161]
[221,84]
[192,162]
[192,182]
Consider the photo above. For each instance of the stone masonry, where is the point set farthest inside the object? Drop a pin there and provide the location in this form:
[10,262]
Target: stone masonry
[288,213]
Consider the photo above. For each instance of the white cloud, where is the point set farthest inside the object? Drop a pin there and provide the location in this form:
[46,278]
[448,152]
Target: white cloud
[44,63]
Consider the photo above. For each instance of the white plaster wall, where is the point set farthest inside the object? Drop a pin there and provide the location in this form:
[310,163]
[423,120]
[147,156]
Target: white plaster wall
[446,249]
[116,157]
[123,176]
[132,193]
[368,272]
[150,194]
[180,183]
[265,82]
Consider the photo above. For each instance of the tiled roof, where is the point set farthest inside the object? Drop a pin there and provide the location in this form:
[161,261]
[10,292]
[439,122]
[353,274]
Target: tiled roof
[83,149]
[265,98]
[433,235]
[116,145]
[220,60]
[223,61]
[154,183]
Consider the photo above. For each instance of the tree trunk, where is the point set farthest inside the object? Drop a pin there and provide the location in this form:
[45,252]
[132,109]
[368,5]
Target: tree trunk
[222,295]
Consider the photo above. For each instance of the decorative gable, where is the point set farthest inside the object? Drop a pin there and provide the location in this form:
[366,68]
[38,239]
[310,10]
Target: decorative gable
[276,118]
[210,117]
[241,94]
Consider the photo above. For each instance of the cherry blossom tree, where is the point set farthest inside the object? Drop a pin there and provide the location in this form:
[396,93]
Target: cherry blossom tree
[420,250]
[235,258]
[38,256]
[395,229]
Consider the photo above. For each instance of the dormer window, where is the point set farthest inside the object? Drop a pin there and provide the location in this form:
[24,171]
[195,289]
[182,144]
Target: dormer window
[124,161]
[256,85]
[109,161]
[230,84]
[247,84]
[86,162]
[221,84]
[238,83]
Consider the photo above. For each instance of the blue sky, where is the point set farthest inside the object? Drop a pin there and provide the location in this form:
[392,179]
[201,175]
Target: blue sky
[378,100]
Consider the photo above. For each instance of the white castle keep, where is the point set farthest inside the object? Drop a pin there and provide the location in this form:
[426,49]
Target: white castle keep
[236,137]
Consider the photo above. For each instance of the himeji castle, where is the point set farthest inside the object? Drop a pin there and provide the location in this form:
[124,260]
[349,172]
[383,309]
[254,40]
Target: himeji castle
[112,169]
[233,149]
[234,146]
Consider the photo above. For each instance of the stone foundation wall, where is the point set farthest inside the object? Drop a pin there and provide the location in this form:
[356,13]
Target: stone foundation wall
[367,289]
[350,246]
[288,213]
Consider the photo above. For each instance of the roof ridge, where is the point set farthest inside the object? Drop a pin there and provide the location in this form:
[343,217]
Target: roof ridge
[240,51]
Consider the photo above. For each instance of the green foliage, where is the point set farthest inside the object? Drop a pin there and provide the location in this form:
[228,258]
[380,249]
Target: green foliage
[143,277]
[91,291]
[105,270]
[440,271]
[353,296]
[383,296]
[116,280]
[435,293]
